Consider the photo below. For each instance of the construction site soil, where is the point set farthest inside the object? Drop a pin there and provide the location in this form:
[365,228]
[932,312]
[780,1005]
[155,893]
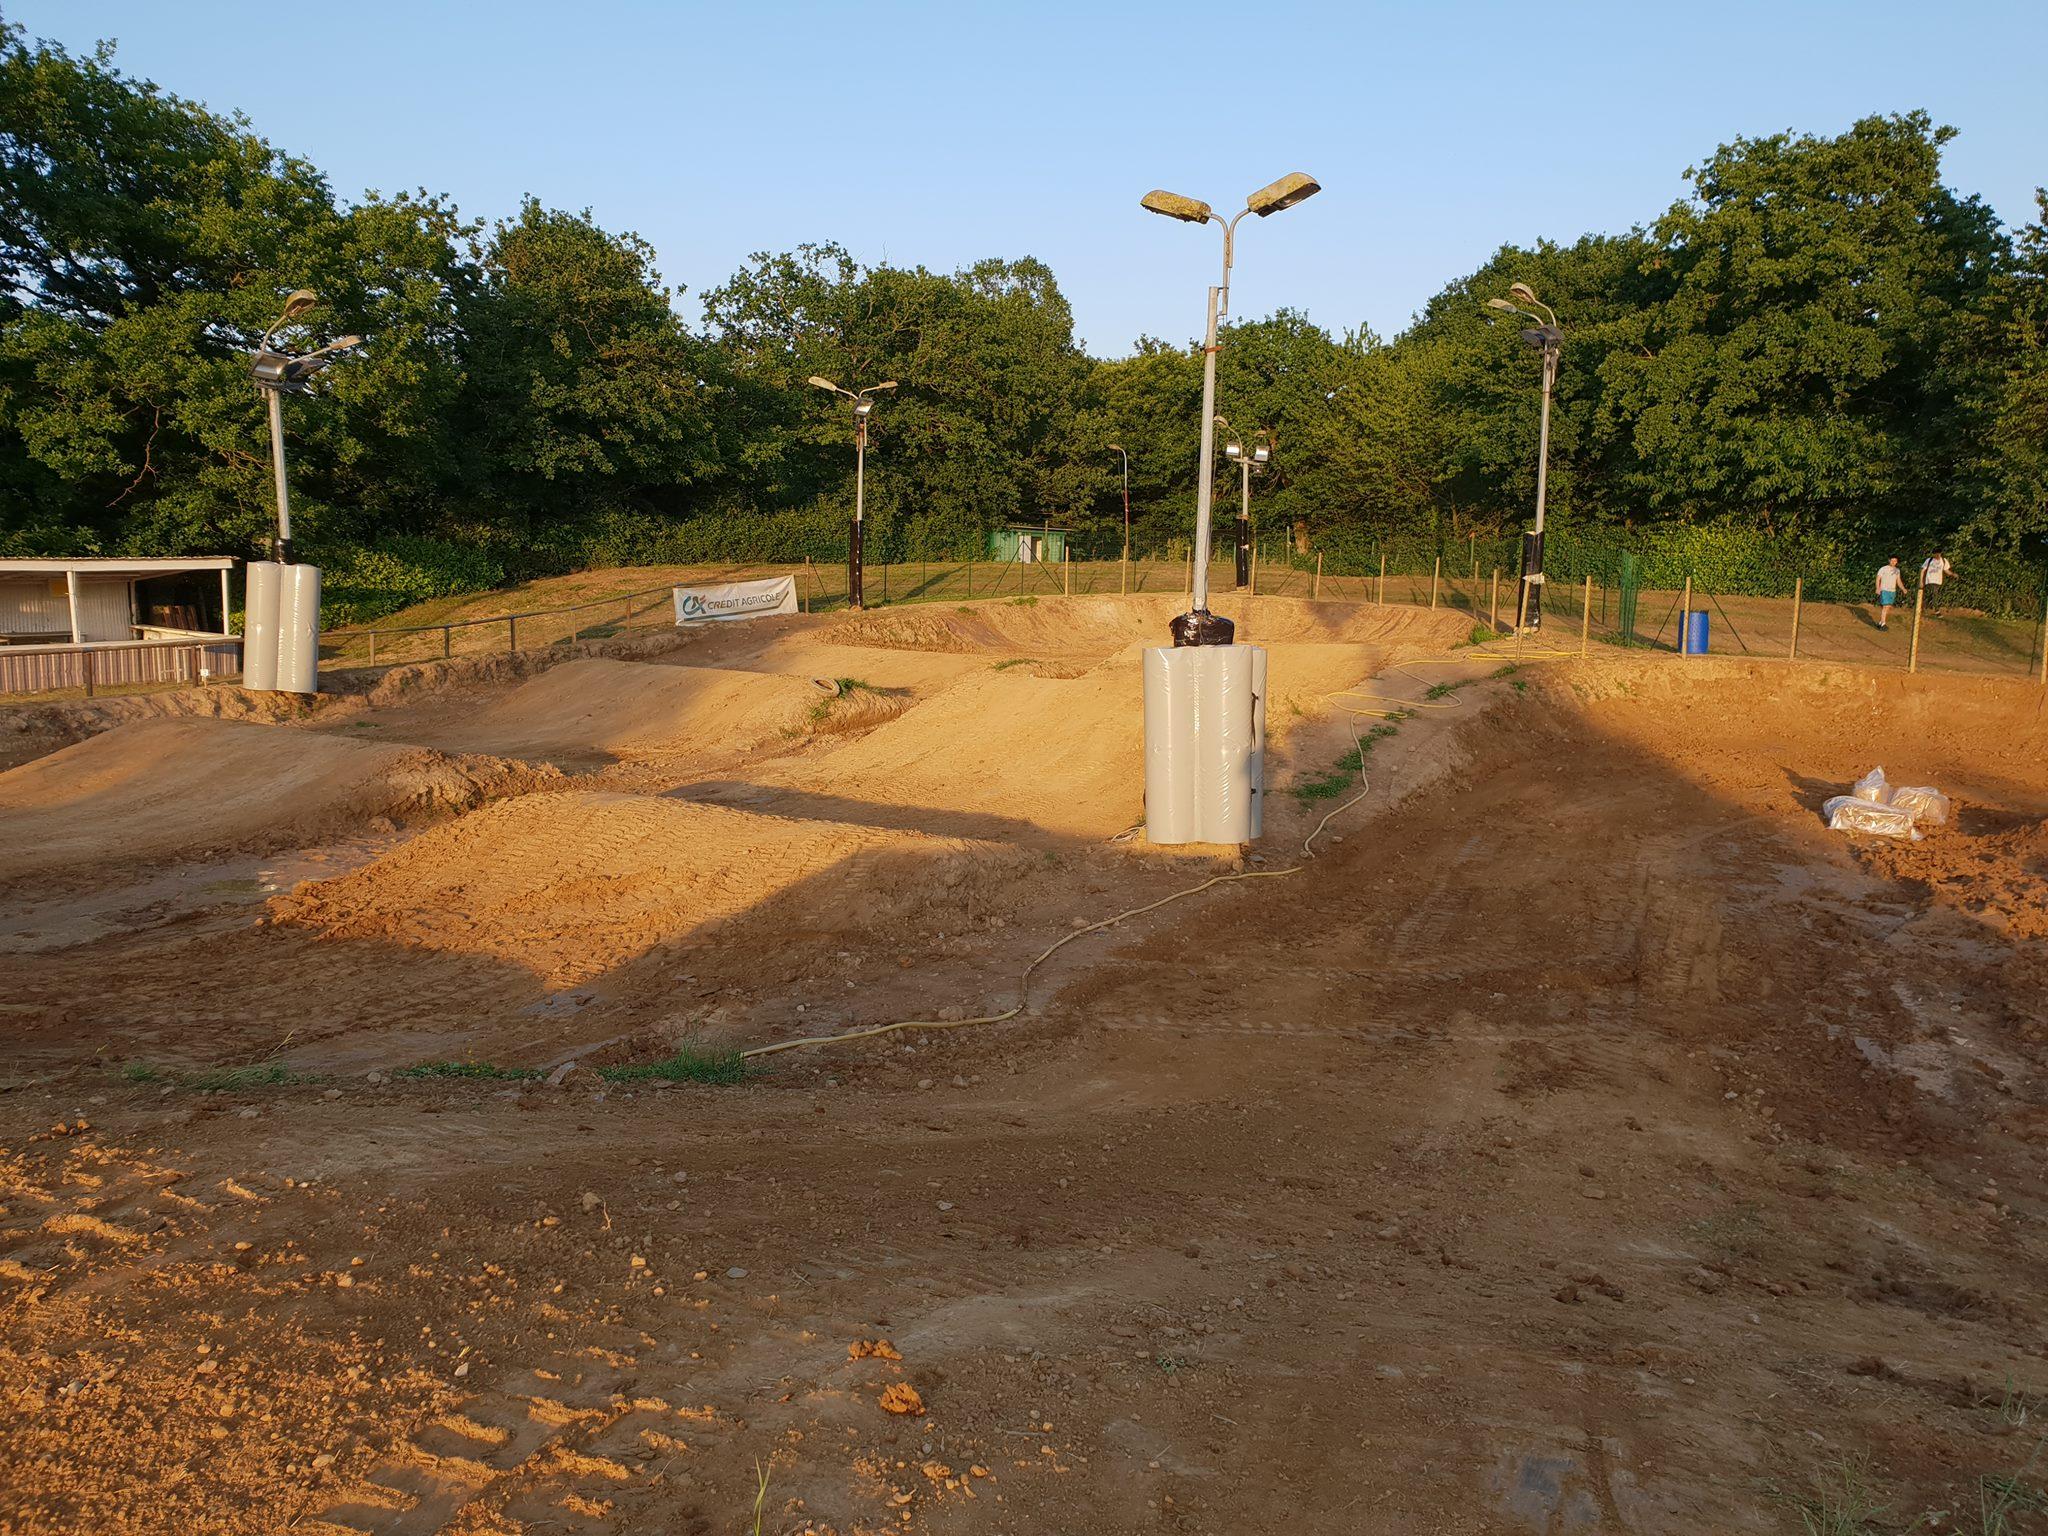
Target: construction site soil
[1574,1135]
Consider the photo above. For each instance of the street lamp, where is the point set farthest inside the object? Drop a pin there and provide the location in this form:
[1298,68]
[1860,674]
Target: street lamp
[1199,626]
[1548,338]
[278,374]
[1249,461]
[863,407]
[1124,581]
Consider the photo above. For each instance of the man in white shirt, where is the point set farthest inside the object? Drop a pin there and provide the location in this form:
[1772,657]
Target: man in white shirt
[1887,591]
[1934,570]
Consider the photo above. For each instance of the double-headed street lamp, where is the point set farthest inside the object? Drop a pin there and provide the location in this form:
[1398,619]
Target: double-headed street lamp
[278,374]
[1199,626]
[1548,338]
[1249,461]
[863,407]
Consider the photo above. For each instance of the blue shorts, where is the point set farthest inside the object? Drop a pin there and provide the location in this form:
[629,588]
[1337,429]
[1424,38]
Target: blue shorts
[1886,599]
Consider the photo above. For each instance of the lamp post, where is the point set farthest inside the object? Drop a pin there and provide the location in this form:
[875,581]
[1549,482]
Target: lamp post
[278,374]
[1118,448]
[1199,626]
[1548,338]
[1249,461]
[863,407]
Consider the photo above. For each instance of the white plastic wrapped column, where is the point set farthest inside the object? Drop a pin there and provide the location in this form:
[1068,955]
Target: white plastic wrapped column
[259,625]
[1205,739]
[298,629]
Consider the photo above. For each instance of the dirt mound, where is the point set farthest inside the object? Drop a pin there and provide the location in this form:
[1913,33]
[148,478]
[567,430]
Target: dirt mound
[630,709]
[1016,752]
[1103,625]
[1985,864]
[570,885]
[162,787]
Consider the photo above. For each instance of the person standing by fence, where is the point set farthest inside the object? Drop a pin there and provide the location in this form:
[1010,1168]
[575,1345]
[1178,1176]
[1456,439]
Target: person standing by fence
[1887,591]
[1934,570]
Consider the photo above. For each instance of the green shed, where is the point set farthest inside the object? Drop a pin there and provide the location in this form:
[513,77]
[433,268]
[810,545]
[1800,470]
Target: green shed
[1019,541]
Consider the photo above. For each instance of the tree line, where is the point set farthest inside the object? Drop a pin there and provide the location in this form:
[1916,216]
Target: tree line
[1820,347]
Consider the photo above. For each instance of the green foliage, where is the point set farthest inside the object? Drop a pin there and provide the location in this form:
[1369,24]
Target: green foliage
[466,1071]
[688,1065]
[1821,356]
[1343,775]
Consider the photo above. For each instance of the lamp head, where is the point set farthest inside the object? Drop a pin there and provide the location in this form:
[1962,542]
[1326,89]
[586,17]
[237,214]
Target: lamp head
[1187,209]
[1294,187]
[1261,453]
[1501,304]
[876,389]
[1523,292]
[1115,447]
[299,301]
[862,407]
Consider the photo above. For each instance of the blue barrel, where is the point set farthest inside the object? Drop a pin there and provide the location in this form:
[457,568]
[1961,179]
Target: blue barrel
[1695,633]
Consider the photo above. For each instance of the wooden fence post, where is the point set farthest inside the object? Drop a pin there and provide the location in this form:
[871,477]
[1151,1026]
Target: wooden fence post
[511,634]
[1493,604]
[1913,652]
[1382,598]
[1435,576]
[88,672]
[373,647]
[1251,571]
[1319,575]
[447,641]
[1798,591]
[1066,572]
[1586,617]
[1685,620]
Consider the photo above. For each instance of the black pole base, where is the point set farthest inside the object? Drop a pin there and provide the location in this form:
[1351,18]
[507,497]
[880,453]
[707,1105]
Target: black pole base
[1244,554]
[1532,581]
[1201,627]
[853,554]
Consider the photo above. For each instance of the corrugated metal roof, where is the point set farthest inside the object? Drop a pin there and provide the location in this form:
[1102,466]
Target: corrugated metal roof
[113,565]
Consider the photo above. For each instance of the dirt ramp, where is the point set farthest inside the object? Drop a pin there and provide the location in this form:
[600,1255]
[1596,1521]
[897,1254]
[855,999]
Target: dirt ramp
[1000,754]
[571,885]
[1104,625]
[630,709]
[157,788]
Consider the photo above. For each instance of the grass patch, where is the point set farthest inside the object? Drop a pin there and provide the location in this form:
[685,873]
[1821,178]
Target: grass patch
[842,687]
[1026,601]
[1480,635]
[1335,780]
[1445,690]
[475,1071]
[688,1065]
[219,1079]
[1839,1501]
[1014,661]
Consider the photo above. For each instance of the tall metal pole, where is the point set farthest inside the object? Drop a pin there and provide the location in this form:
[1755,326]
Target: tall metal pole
[1532,563]
[860,486]
[1204,490]
[284,500]
[1244,521]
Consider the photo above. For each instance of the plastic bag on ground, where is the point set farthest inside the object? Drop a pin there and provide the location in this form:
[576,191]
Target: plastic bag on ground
[1852,813]
[1924,802]
[1873,787]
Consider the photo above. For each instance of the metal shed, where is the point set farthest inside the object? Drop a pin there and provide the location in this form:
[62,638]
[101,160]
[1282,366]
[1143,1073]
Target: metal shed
[73,623]
[1028,543]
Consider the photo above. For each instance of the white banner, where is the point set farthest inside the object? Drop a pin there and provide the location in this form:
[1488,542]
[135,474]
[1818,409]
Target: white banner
[736,600]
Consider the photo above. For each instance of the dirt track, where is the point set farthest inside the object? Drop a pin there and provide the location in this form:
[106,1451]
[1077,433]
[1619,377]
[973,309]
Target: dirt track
[1585,1140]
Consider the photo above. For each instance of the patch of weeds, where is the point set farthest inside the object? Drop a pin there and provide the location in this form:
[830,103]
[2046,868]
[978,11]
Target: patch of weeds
[230,1079]
[1333,782]
[760,1495]
[688,1065]
[1445,690]
[1838,1501]
[1014,661]
[1479,636]
[1626,642]
[141,1072]
[1026,601]
[842,687]
[1507,671]
[479,1071]
[1173,1365]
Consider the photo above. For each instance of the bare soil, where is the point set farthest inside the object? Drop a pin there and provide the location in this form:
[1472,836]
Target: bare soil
[1583,1139]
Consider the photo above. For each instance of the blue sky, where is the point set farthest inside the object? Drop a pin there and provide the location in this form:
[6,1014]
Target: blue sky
[937,134]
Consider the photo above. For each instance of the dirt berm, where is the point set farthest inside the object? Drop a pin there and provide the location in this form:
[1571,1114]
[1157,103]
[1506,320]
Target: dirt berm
[157,788]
